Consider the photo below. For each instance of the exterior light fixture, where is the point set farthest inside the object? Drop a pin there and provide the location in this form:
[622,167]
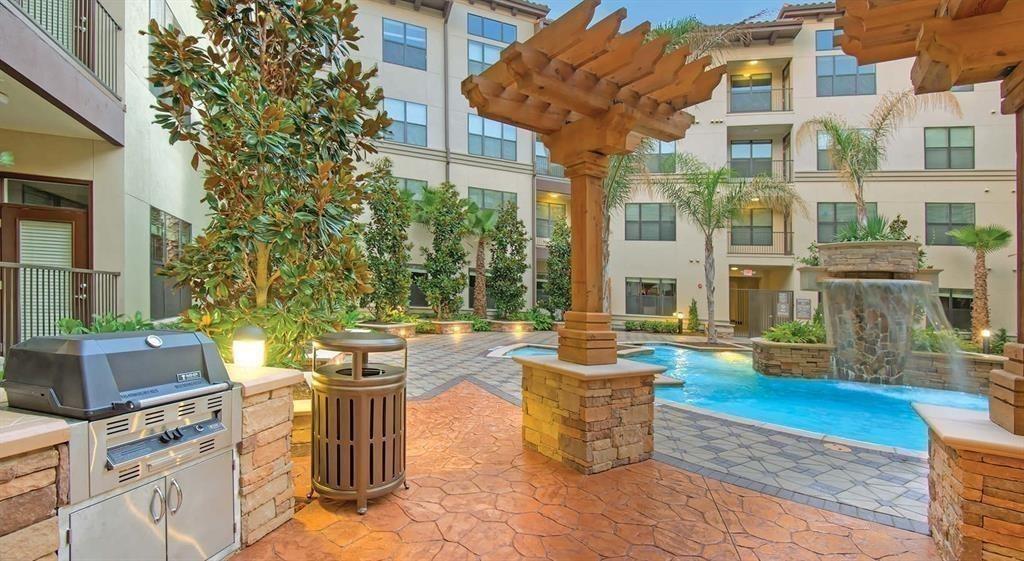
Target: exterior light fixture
[249,347]
[734,268]
[679,318]
[986,336]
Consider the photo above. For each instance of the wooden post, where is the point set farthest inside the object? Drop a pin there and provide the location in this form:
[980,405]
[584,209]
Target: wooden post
[587,337]
[1019,119]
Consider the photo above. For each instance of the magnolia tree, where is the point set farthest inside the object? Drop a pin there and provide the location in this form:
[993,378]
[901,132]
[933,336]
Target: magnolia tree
[283,117]
[508,263]
[387,245]
[559,285]
[445,259]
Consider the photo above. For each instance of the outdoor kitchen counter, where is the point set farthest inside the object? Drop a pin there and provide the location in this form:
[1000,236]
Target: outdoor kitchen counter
[257,380]
[22,431]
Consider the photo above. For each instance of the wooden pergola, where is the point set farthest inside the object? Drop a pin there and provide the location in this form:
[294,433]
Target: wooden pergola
[953,42]
[592,92]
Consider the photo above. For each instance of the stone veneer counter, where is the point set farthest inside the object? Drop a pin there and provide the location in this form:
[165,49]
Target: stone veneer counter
[21,432]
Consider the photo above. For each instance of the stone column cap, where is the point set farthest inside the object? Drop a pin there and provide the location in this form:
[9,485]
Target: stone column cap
[263,379]
[966,429]
[621,369]
[22,431]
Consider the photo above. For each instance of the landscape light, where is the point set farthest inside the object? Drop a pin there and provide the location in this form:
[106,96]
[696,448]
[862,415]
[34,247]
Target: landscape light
[249,346]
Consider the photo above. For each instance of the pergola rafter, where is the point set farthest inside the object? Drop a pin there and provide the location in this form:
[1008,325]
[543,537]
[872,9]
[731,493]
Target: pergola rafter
[590,92]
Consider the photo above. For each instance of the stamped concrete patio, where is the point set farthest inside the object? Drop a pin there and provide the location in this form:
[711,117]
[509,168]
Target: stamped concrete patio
[476,494]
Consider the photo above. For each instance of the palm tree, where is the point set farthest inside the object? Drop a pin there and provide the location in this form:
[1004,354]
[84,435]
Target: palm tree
[6,159]
[983,240]
[480,224]
[708,197]
[855,152]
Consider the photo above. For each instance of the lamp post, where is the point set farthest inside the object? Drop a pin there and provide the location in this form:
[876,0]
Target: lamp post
[679,318]
[248,348]
[986,337]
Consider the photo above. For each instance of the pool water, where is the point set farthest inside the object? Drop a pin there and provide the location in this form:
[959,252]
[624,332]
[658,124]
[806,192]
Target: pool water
[726,382]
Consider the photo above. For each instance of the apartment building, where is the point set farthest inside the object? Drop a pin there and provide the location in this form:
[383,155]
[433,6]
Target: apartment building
[97,199]
[941,172]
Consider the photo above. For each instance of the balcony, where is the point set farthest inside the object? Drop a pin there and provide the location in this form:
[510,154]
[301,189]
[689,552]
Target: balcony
[746,240]
[754,100]
[746,168]
[85,30]
[33,298]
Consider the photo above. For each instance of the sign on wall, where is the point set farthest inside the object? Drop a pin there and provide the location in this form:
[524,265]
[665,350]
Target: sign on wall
[804,308]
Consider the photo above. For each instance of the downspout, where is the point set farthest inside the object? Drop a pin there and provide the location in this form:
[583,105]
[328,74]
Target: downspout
[446,104]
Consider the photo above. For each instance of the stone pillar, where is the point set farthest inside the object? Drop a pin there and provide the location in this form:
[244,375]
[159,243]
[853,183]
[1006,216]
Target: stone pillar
[1006,391]
[32,486]
[587,337]
[265,463]
[589,418]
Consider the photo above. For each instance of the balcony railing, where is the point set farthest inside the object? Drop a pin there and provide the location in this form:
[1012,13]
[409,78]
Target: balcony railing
[33,298]
[546,167]
[753,240]
[85,30]
[753,167]
[742,100]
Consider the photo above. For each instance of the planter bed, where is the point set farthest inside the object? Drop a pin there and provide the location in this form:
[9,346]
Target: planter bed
[449,327]
[501,326]
[404,330]
[792,360]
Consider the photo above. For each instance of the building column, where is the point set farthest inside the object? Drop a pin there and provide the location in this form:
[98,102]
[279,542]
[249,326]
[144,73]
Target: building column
[587,337]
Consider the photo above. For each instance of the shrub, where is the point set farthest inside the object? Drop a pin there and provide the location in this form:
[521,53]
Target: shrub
[559,285]
[424,326]
[653,326]
[387,245]
[445,260]
[693,318]
[878,228]
[796,332]
[813,258]
[931,340]
[107,323]
[479,324]
[999,341]
[508,262]
[540,317]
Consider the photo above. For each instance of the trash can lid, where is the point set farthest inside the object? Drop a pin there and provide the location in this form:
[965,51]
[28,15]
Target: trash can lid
[359,342]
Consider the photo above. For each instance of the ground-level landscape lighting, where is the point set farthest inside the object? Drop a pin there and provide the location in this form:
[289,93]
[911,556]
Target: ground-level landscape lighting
[249,346]
[986,337]
[679,318]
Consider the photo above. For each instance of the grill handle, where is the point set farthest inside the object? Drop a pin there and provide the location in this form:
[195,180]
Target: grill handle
[177,492]
[157,494]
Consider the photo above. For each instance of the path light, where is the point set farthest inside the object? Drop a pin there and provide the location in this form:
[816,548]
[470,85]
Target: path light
[679,317]
[986,336]
[249,346]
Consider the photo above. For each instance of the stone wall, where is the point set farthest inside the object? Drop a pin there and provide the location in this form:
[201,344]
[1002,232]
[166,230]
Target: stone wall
[32,486]
[792,359]
[588,425]
[937,371]
[890,257]
[977,504]
[265,484]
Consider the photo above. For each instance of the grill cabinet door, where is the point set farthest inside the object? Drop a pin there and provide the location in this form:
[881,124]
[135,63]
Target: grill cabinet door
[200,517]
[121,527]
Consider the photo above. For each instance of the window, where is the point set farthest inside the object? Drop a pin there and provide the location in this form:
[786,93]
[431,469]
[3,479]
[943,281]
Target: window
[482,56]
[662,157]
[651,222]
[839,75]
[409,122]
[956,303]
[414,187]
[547,215]
[963,88]
[491,138]
[491,29]
[949,147]
[491,199]
[940,218]
[650,297]
[750,158]
[832,217]
[167,237]
[824,157]
[542,161]
[824,39]
[418,298]
[753,226]
[750,93]
[405,44]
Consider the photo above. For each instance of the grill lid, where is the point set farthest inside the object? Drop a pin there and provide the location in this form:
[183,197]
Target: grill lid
[104,374]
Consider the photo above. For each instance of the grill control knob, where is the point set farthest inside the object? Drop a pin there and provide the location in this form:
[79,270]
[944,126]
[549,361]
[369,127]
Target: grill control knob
[166,437]
[177,434]
[200,428]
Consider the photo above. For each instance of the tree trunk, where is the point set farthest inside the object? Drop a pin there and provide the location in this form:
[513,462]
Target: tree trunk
[709,287]
[262,276]
[979,307]
[862,208]
[606,285]
[480,286]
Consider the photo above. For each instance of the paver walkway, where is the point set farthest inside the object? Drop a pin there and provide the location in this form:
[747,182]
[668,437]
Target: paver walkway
[476,494]
[882,487]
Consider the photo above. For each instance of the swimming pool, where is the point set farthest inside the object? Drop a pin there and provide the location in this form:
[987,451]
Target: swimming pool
[726,382]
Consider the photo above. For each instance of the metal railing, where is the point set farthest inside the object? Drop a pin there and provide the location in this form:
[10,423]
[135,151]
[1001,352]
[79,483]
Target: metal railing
[756,240]
[83,28]
[546,167]
[753,167]
[744,100]
[33,298]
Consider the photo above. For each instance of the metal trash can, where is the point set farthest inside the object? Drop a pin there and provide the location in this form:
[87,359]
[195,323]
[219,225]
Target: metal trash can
[358,419]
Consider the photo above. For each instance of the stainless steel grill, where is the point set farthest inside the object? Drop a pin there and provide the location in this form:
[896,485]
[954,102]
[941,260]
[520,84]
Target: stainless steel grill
[154,423]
